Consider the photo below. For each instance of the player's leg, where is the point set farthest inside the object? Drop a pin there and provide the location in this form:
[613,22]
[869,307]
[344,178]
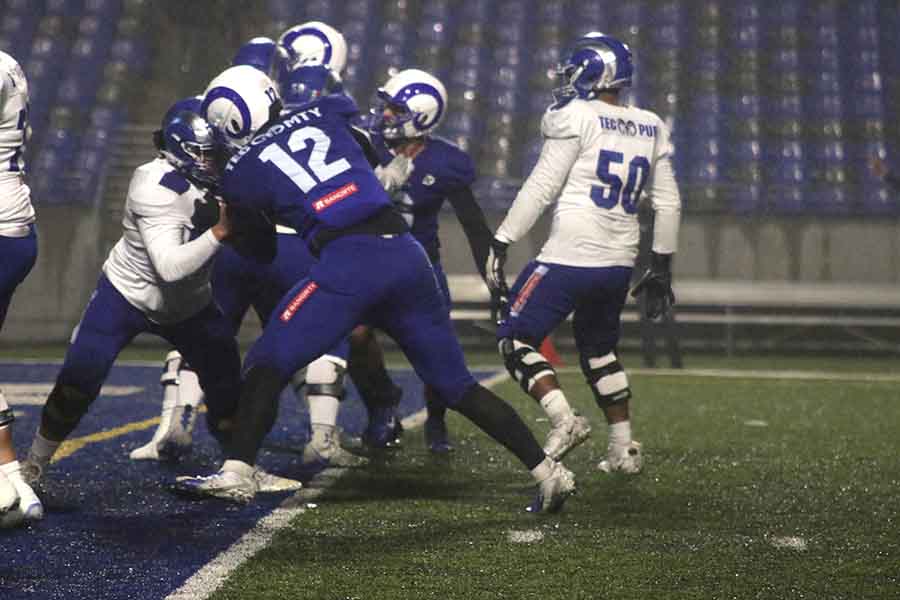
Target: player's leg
[380,395]
[19,255]
[540,300]
[311,319]
[416,318]
[108,325]
[206,341]
[234,281]
[182,397]
[437,438]
[324,393]
[596,325]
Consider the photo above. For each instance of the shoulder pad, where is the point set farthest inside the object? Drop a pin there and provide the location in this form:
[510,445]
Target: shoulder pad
[565,120]
[460,166]
[175,181]
[340,104]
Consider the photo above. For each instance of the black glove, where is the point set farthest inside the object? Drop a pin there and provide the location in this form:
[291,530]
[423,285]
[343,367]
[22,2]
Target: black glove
[495,277]
[656,284]
[206,213]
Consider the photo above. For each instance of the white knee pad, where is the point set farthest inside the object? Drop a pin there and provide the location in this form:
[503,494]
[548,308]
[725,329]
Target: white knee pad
[325,376]
[607,379]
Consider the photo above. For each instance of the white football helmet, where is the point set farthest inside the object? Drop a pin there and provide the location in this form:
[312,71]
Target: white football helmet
[417,101]
[240,101]
[313,44]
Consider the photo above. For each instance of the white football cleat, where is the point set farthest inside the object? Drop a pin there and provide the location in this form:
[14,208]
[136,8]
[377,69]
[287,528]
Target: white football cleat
[324,449]
[273,484]
[564,438]
[235,481]
[625,459]
[553,491]
[8,494]
[32,471]
[169,448]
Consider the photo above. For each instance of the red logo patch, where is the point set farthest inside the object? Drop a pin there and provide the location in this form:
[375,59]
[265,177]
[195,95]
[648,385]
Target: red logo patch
[301,297]
[525,293]
[335,197]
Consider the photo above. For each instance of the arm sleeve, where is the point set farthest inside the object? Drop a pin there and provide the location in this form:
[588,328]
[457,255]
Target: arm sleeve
[365,142]
[541,188]
[172,259]
[474,225]
[666,201]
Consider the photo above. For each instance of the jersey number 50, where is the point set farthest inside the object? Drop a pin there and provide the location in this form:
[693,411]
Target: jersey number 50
[613,193]
[302,177]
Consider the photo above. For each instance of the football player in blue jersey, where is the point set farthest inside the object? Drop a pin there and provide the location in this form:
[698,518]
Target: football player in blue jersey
[155,280]
[307,170]
[408,109]
[239,281]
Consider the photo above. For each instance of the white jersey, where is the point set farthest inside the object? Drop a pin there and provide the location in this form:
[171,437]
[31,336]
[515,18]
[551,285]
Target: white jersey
[154,265]
[16,212]
[596,160]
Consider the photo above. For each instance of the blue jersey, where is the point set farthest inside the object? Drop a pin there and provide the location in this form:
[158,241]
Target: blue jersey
[307,171]
[438,170]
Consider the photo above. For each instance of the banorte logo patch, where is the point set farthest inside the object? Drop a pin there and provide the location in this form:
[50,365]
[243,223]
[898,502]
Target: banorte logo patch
[294,305]
[335,197]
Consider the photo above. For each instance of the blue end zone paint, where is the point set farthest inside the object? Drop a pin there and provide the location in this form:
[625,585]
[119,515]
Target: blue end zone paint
[111,531]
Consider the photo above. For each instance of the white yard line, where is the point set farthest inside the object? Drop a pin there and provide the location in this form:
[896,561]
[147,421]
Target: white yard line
[790,375]
[210,577]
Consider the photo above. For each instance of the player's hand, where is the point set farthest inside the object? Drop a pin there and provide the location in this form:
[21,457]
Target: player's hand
[223,228]
[656,285]
[494,275]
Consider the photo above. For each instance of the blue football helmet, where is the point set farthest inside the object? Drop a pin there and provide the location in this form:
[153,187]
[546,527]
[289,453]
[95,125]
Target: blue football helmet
[191,104]
[257,53]
[596,63]
[304,84]
[190,145]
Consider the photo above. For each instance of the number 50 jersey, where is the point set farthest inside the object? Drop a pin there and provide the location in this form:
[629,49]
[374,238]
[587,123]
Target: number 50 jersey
[599,158]
[307,171]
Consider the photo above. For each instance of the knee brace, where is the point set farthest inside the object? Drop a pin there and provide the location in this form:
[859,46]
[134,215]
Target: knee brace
[607,379]
[524,363]
[325,377]
[6,413]
[174,364]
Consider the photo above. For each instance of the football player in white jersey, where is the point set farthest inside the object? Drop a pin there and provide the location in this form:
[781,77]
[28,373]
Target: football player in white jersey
[18,247]
[156,280]
[598,157]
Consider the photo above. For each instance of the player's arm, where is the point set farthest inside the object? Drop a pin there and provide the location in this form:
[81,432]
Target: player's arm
[656,281]
[365,142]
[474,224]
[540,190]
[172,258]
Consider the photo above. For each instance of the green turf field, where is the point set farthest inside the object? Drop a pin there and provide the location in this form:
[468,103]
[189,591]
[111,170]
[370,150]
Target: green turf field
[752,489]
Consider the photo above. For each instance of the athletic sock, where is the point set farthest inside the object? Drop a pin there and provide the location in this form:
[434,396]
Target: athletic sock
[620,434]
[556,406]
[500,421]
[42,449]
[543,470]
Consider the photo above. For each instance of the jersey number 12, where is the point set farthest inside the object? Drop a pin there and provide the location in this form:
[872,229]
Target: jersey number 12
[614,193]
[321,170]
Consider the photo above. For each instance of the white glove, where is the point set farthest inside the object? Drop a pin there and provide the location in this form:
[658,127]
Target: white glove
[394,174]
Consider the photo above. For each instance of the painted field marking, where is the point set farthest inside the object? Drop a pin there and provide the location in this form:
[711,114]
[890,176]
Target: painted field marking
[211,576]
[35,394]
[788,375]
